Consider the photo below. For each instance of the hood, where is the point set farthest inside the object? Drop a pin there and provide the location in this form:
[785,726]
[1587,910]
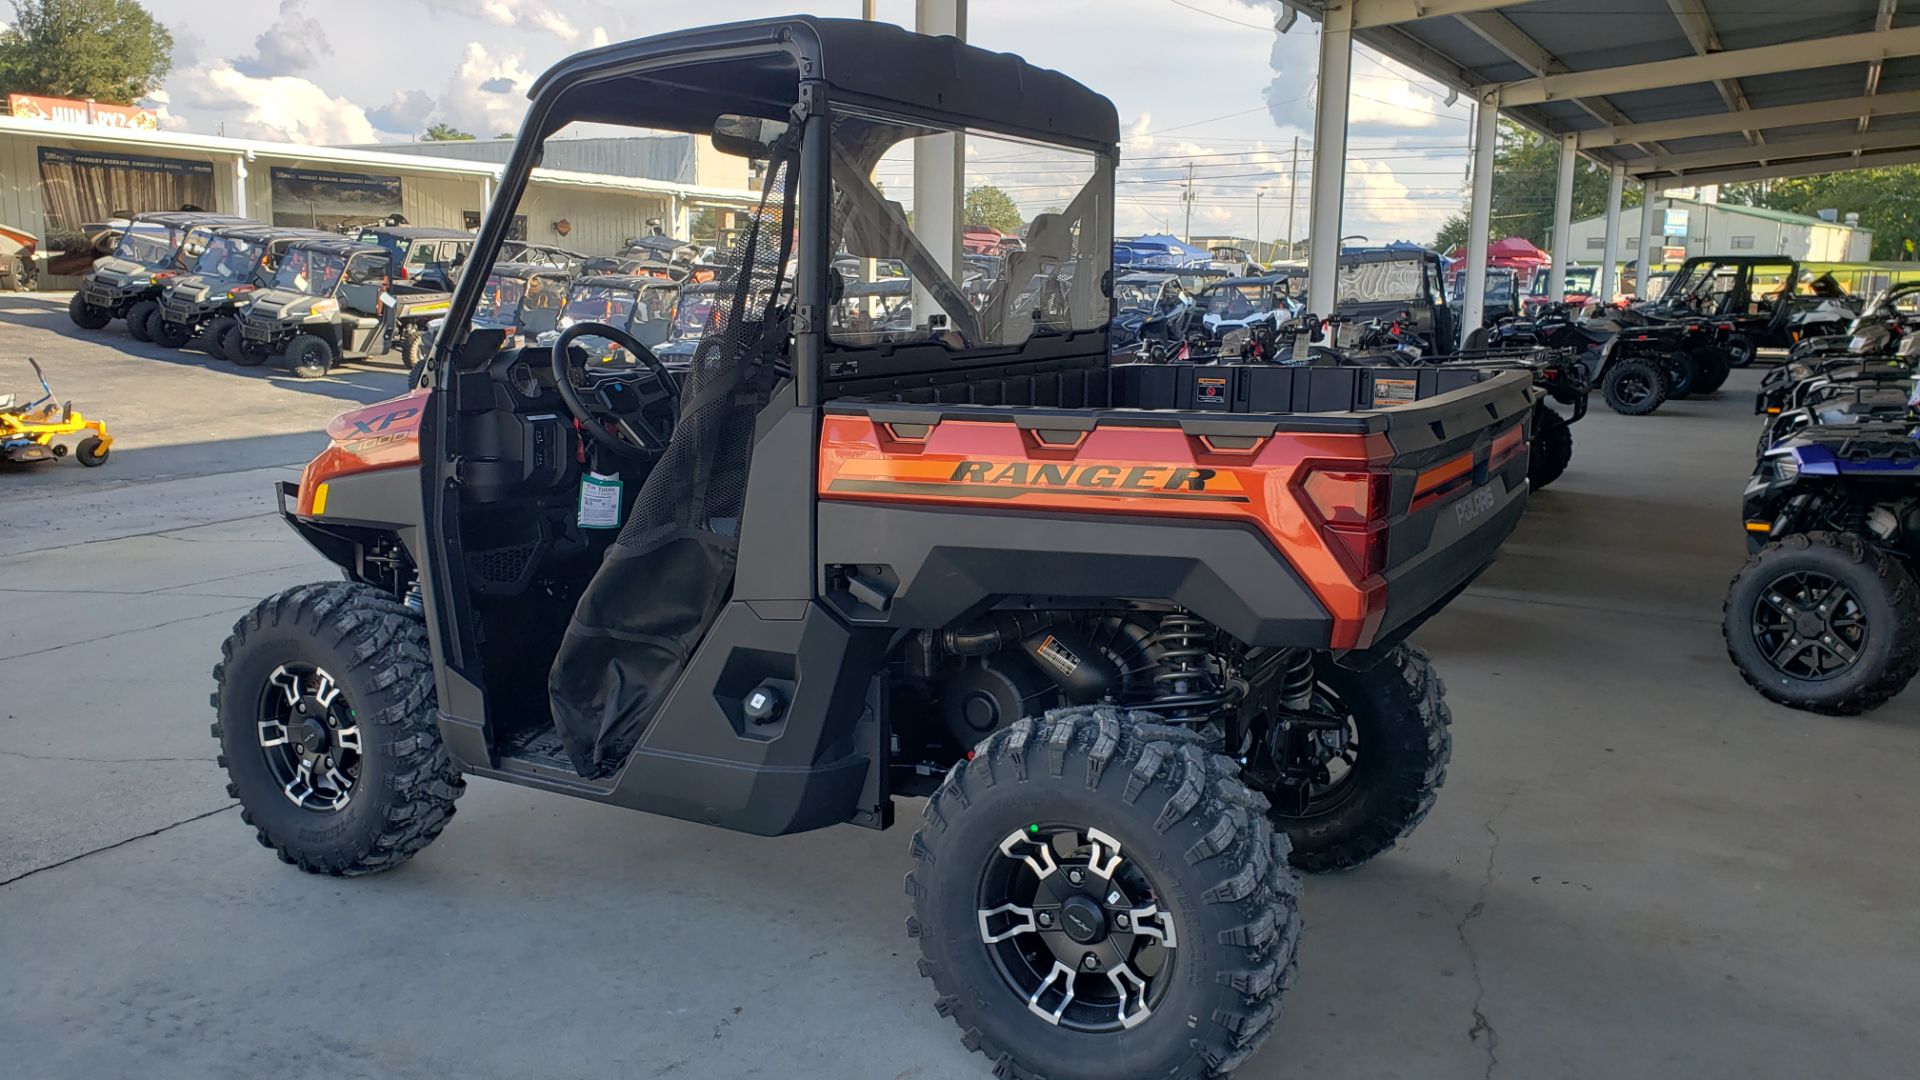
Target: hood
[122,272]
[281,304]
[197,288]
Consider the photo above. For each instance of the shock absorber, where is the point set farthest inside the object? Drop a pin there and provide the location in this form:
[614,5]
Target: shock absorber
[1296,685]
[1185,685]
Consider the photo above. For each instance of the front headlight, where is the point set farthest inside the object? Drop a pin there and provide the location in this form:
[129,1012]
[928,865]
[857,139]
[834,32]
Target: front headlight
[1786,466]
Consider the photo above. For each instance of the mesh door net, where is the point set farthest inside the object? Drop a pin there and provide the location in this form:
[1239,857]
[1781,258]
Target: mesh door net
[664,581]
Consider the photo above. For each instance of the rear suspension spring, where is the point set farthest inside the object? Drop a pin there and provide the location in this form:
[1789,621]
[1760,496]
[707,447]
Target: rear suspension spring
[1186,687]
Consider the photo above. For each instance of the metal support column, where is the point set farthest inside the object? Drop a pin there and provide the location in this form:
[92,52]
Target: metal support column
[1649,239]
[240,184]
[1473,305]
[939,164]
[1335,80]
[1562,222]
[1610,250]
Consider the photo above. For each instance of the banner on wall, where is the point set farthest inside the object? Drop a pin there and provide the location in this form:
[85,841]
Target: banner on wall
[78,187]
[321,199]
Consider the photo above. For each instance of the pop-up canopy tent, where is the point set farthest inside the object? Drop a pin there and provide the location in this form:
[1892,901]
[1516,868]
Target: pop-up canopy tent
[1160,251]
[1513,253]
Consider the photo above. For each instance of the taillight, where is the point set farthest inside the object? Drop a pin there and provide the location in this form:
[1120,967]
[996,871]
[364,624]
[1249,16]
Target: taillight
[1506,446]
[403,271]
[1350,507]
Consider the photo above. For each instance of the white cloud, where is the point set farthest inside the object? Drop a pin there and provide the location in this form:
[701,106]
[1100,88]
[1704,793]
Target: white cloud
[292,44]
[487,93]
[518,14]
[282,107]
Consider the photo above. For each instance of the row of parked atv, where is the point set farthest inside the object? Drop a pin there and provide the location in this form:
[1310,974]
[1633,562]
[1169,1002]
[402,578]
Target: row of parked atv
[1825,616]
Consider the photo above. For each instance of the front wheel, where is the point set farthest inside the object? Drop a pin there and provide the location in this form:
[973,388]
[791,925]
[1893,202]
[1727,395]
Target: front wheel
[167,333]
[1552,447]
[92,452]
[235,347]
[329,732]
[85,315]
[1825,622]
[309,356]
[214,338]
[1634,386]
[1355,783]
[138,318]
[1740,352]
[1097,896]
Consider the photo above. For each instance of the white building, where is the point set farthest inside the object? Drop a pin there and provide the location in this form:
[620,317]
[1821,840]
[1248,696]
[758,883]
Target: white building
[56,176]
[1709,228]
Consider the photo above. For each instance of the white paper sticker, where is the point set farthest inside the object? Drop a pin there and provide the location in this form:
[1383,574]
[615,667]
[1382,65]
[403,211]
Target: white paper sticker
[599,501]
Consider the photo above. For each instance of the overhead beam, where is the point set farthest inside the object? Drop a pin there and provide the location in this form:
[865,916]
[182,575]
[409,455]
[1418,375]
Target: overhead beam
[1779,150]
[1500,32]
[1813,112]
[1810,167]
[1698,26]
[1881,22]
[1735,64]
[1370,14]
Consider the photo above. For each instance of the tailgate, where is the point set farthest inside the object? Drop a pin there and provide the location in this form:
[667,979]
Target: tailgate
[1459,483]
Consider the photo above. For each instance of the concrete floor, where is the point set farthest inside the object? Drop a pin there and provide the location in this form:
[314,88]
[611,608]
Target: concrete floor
[1638,867]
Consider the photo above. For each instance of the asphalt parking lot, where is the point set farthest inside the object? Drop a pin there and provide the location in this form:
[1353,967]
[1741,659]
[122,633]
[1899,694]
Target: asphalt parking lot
[1638,867]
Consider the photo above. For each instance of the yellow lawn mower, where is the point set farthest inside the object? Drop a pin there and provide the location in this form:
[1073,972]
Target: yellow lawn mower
[38,430]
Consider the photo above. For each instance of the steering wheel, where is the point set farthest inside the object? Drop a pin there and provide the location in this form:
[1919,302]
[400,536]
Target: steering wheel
[613,390]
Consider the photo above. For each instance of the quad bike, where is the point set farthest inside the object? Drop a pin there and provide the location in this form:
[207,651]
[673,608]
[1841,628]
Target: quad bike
[1141,660]
[37,430]
[1825,616]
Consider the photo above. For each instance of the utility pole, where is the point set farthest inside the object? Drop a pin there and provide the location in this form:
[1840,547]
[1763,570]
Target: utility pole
[1187,234]
[1293,184]
[1257,196]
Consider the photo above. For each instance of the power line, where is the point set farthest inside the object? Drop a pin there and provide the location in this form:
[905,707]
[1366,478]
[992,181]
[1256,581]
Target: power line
[1217,15]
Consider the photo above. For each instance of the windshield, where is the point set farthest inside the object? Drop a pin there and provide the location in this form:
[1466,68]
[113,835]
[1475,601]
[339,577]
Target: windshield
[228,257]
[1499,286]
[500,301]
[1396,280]
[146,243]
[691,311]
[312,272]
[1137,294]
[1056,198]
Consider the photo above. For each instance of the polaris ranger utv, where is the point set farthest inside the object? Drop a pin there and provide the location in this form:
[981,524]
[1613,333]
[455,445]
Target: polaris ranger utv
[1137,658]
[237,261]
[331,300]
[154,249]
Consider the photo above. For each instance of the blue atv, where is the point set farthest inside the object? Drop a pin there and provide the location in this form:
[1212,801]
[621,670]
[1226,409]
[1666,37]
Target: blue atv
[1825,616]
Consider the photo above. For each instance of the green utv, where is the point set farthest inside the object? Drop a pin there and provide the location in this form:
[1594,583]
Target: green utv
[238,260]
[331,300]
[154,249]
[1135,647]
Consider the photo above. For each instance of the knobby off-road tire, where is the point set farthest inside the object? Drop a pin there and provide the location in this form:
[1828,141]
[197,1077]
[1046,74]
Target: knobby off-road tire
[1181,818]
[309,356]
[1683,375]
[1887,605]
[375,649]
[137,317]
[1715,365]
[213,339]
[1398,713]
[1634,386]
[166,334]
[234,346]
[85,315]
[1552,447]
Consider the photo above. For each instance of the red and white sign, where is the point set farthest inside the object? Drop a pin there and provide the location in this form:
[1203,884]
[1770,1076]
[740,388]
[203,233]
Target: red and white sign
[89,113]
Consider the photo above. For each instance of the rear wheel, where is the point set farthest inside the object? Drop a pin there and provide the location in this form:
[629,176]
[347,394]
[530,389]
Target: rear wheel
[1097,896]
[1352,786]
[85,315]
[1634,386]
[213,338]
[1715,365]
[328,729]
[1825,622]
[1683,375]
[309,356]
[137,318]
[1552,447]
[1740,352]
[166,333]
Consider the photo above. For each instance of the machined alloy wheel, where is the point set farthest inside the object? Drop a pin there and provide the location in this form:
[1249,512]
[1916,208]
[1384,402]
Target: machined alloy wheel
[310,736]
[1634,386]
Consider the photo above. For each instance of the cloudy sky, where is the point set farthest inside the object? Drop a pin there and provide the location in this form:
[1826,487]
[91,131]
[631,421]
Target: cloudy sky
[1205,83]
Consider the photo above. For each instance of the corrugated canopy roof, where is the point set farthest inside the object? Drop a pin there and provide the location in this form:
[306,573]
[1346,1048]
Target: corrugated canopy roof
[1677,91]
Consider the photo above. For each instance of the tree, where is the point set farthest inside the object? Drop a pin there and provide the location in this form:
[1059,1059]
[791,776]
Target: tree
[1453,233]
[446,133]
[109,50]
[1887,200]
[988,205]
[1526,177]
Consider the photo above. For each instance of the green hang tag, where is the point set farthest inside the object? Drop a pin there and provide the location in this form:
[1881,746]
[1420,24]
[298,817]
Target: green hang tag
[599,501]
